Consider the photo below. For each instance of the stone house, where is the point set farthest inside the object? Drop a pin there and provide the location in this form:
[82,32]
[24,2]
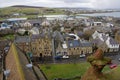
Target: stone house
[61,49]
[23,42]
[76,47]
[117,36]
[35,22]
[112,45]
[27,25]
[100,39]
[97,24]
[86,47]
[41,45]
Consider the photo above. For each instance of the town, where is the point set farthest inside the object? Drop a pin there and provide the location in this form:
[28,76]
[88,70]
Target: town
[28,43]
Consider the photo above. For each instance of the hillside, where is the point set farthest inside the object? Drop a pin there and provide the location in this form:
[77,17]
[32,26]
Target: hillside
[25,6]
[26,11]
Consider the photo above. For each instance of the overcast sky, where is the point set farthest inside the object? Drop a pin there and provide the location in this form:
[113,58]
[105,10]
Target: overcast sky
[101,4]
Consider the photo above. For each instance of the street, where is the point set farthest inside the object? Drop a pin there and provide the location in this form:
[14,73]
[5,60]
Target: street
[77,59]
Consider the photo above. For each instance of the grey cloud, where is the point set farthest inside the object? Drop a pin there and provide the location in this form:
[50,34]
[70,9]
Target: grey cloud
[5,3]
[60,3]
[76,1]
[106,4]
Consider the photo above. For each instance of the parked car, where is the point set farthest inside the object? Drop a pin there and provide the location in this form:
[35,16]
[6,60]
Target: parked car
[65,57]
[82,55]
[112,66]
[6,49]
[58,57]
[119,59]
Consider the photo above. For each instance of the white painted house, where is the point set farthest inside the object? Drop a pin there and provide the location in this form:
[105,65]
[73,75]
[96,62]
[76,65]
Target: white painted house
[97,24]
[109,41]
[4,26]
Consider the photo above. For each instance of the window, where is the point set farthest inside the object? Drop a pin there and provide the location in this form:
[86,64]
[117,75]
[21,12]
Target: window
[71,44]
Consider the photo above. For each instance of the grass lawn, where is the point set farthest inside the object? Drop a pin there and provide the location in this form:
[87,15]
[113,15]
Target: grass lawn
[53,71]
[71,70]
[9,37]
[114,74]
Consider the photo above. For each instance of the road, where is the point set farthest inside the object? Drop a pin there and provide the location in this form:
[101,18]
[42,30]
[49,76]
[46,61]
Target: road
[115,58]
[77,59]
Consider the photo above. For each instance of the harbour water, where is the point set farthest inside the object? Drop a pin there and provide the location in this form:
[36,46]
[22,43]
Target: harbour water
[113,14]
[52,17]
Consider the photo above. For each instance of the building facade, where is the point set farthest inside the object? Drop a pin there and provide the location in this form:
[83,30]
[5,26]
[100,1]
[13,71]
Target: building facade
[41,45]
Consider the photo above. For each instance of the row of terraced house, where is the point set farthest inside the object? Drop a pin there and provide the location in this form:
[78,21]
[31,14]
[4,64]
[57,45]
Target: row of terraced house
[46,45]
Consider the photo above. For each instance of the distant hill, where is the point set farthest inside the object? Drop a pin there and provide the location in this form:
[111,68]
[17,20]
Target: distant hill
[25,6]
[27,11]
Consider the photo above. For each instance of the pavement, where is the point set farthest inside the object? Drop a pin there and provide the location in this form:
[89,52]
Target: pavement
[77,59]
[38,71]
[28,73]
[115,59]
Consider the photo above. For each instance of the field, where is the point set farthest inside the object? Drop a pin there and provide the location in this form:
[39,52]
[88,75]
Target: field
[27,12]
[71,70]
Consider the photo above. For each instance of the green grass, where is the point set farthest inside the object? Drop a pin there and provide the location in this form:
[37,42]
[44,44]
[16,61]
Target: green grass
[10,10]
[53,71]
[71,70]
[106,68]
[114,74]
[10,36]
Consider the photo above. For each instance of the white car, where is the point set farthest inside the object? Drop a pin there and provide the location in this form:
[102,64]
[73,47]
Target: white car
[119,59]
[82,55]
[65,57]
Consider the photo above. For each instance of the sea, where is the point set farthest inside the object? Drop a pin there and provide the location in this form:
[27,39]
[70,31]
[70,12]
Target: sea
[112,14]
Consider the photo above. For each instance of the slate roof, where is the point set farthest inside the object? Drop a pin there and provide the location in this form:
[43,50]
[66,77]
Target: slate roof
[113,42]
[66,35]
[35,36]
[73,43]
[77,43]
[104,37]
[86,44]
[42,35]
[34,21]
[97,42]
[80,33]
[22,39]
[58,36]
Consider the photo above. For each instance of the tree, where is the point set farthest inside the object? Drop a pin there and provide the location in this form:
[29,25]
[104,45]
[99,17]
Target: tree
[98,62]
[26,33]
